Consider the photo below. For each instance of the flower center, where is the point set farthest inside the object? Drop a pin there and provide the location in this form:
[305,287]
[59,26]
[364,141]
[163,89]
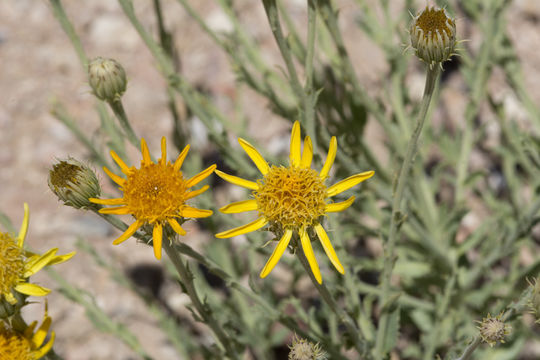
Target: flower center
[291,197]
[14,346]
[431,21]
[11,263]
[155,192]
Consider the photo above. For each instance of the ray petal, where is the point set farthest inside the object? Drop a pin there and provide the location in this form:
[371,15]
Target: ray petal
[41,332]
[277,253]
[238,181]
[147,160]
[31,289]
[339,206]
[29,331]
[176,226]
[45,349]
[332,150]
[38,262]
[117,179]
[157,237]
[58,259]
[239,206]
[120,210]
[163,159]
[23,230]
[308,252]
[328,248]
[123,166]
[180,159]
[192,194]
[348,183]
[117,201]
[294,155]
[252,226]
[307,155]
[191,212]
[201,176]
[255,156]
[127,234]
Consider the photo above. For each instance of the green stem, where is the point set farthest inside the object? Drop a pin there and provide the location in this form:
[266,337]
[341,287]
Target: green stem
[310,96]
[470,349]
[186,277]
[343,317]
[60,14]
[273,17]
[120,113]
[397,217]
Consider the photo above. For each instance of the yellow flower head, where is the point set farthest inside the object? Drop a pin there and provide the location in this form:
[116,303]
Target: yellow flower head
[17,264]
[155,194]
[28,345]
[292,200]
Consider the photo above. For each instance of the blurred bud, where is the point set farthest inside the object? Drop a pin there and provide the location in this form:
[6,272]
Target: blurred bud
[301,349]
[107,79]
[74,183]
[493,330]
[534,302]
[433,36]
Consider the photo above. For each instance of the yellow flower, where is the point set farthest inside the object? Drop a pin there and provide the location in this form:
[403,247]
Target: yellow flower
[27,345]
[17,264]
[291,200]
[155,194]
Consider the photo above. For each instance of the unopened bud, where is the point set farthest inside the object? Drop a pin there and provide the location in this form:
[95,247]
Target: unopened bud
[534,301]
[301,349]
[74,183]
[493,329]
[433,36]
[107,79]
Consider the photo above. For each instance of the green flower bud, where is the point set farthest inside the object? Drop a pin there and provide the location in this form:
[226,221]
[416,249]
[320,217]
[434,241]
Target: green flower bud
[493,329]
[433,36]
[301,349]
[107,79]
[74,183]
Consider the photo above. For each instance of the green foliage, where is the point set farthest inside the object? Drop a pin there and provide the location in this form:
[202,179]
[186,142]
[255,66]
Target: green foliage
[423,291]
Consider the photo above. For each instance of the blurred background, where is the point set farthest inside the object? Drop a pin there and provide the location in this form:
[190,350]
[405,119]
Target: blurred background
[39,65]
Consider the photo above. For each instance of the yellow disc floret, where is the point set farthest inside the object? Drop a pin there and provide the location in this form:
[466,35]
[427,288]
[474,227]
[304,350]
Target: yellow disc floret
[14,346]
[155,192]
[291,197]
[11,263]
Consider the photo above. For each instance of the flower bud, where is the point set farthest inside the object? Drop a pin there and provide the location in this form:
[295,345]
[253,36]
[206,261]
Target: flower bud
[301,349]
[493,329]
[107,79]
[74,183]
[433,36]
[534,300]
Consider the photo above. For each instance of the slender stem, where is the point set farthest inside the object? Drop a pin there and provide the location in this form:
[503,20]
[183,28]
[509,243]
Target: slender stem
[60,14]
[343,316]
[273,17]
[396,217]
[120,113]
[470,349]
[186,277]
[310,96]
